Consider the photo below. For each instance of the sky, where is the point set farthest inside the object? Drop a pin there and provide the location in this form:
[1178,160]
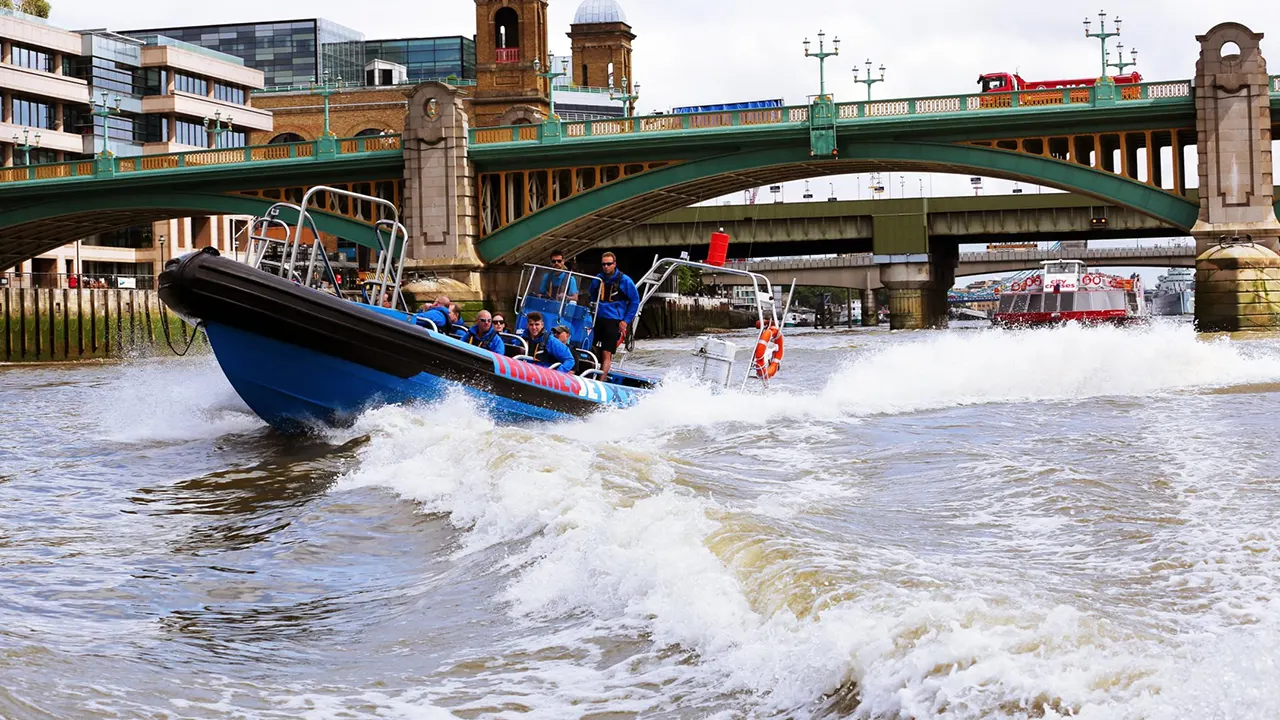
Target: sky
[711,51]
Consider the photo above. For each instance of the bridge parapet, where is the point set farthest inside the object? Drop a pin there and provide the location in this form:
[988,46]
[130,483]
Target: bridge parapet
[108,167]
[1176,91]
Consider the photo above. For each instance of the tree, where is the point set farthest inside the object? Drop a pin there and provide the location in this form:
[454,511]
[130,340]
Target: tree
[39,8]
[6,4]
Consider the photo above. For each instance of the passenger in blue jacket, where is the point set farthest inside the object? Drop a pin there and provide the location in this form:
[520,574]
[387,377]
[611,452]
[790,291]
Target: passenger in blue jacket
[441,313]
[484,335]
[545,349]
[617,302]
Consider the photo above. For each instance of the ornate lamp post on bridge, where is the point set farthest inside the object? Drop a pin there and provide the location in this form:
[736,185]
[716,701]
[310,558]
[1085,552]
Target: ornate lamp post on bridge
[25,146]
[868,80]
[214,126]
[1121,64]
[822,56]
[551,76]
[626,98]
[1102,35]
[105,160]
[327,144]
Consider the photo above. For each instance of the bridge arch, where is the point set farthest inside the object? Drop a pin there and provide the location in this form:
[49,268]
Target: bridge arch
[591,217]
[37,228]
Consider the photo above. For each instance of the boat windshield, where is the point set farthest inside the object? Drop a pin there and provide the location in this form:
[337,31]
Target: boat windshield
[1061,268]
[560,295]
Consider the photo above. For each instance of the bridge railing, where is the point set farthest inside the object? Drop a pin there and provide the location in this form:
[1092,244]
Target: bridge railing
[100,167]
[1156,92]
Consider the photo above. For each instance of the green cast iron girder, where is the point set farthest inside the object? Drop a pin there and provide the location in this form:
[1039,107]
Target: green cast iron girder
[854,157]
[688,145]
[155,205]
[353,167]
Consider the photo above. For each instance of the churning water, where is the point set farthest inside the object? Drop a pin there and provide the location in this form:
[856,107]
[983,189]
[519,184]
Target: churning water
[963,524]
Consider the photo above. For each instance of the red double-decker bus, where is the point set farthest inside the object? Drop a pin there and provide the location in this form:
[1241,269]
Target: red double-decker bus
[1010,82]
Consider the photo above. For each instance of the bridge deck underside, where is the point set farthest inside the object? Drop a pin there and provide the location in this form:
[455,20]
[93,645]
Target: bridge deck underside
[595,228]
[23,242]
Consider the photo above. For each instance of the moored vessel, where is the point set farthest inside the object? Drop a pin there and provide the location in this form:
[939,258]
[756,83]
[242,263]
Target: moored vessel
[1064,291]
[1175,293]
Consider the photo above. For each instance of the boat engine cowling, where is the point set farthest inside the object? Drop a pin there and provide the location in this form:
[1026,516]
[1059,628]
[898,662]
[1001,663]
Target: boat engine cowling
[715,359]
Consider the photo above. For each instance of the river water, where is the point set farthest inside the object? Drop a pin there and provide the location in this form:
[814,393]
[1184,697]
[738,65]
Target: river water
[960,524]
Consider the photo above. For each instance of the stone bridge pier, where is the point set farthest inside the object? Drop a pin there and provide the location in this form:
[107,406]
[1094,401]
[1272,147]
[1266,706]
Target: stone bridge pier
[1237,284]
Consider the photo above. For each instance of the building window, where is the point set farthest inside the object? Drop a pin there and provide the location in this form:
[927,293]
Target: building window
[283,138]
[506,34]
[118,127]
[230,139]
[34,59]
[367,132]
[155,128]
[34,156]
[228,93]
[189,133]
[116,77]
[155,81]
[32,113]
[189,84]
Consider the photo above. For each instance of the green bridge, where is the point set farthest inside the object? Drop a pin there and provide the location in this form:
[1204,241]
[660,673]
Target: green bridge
[477,201]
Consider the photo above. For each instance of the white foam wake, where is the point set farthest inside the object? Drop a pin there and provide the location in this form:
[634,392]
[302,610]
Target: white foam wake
[927,371]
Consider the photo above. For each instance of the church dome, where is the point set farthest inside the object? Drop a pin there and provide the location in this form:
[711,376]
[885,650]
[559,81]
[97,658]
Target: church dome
[599,11]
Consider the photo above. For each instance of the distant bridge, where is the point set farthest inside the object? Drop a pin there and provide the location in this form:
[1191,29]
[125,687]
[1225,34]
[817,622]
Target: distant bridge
[849,226]
[861,271]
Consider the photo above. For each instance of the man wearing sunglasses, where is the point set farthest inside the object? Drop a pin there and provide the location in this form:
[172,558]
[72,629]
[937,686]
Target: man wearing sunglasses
[558,285]
[484,335]
[616,304]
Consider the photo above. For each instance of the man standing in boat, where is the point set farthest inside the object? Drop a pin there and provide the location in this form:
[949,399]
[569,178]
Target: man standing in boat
[545,349]
[484,335]
[559,284]
[617,302]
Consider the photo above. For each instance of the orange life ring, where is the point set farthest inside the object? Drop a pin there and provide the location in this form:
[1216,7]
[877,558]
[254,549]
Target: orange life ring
[773,335]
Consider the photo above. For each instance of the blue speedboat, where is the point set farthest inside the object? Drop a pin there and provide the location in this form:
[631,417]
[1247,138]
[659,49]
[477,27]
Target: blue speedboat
[301,355]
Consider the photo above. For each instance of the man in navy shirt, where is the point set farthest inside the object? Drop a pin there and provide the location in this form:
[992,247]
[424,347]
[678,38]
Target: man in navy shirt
[617,302]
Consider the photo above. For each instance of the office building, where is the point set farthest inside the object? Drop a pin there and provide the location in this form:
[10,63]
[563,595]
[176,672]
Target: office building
[434,58]
[151,95]
[289,52]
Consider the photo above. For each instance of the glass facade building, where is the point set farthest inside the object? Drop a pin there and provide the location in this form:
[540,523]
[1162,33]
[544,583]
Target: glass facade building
[294,52]
[427,58]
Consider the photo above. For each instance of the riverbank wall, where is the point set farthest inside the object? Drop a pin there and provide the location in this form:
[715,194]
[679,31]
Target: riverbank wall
[677,316]
[58,324]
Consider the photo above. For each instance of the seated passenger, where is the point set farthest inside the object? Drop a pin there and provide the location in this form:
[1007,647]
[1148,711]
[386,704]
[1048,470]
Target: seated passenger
[484,335]
[442,314]
[561,333]
[544,349]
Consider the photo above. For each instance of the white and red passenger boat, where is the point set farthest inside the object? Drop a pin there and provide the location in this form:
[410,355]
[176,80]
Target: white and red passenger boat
[1064,290]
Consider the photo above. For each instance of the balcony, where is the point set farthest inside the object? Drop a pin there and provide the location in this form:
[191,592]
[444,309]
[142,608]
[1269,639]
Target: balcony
[509,55]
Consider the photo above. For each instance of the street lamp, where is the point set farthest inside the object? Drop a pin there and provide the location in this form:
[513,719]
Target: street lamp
[832,197]
[214,125]
[626,98]
[105,111]
[807,195]
[868,80]
[1121,65]
[324,91]
[551,76]
[1102,35]
[822,56]
[25,146]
